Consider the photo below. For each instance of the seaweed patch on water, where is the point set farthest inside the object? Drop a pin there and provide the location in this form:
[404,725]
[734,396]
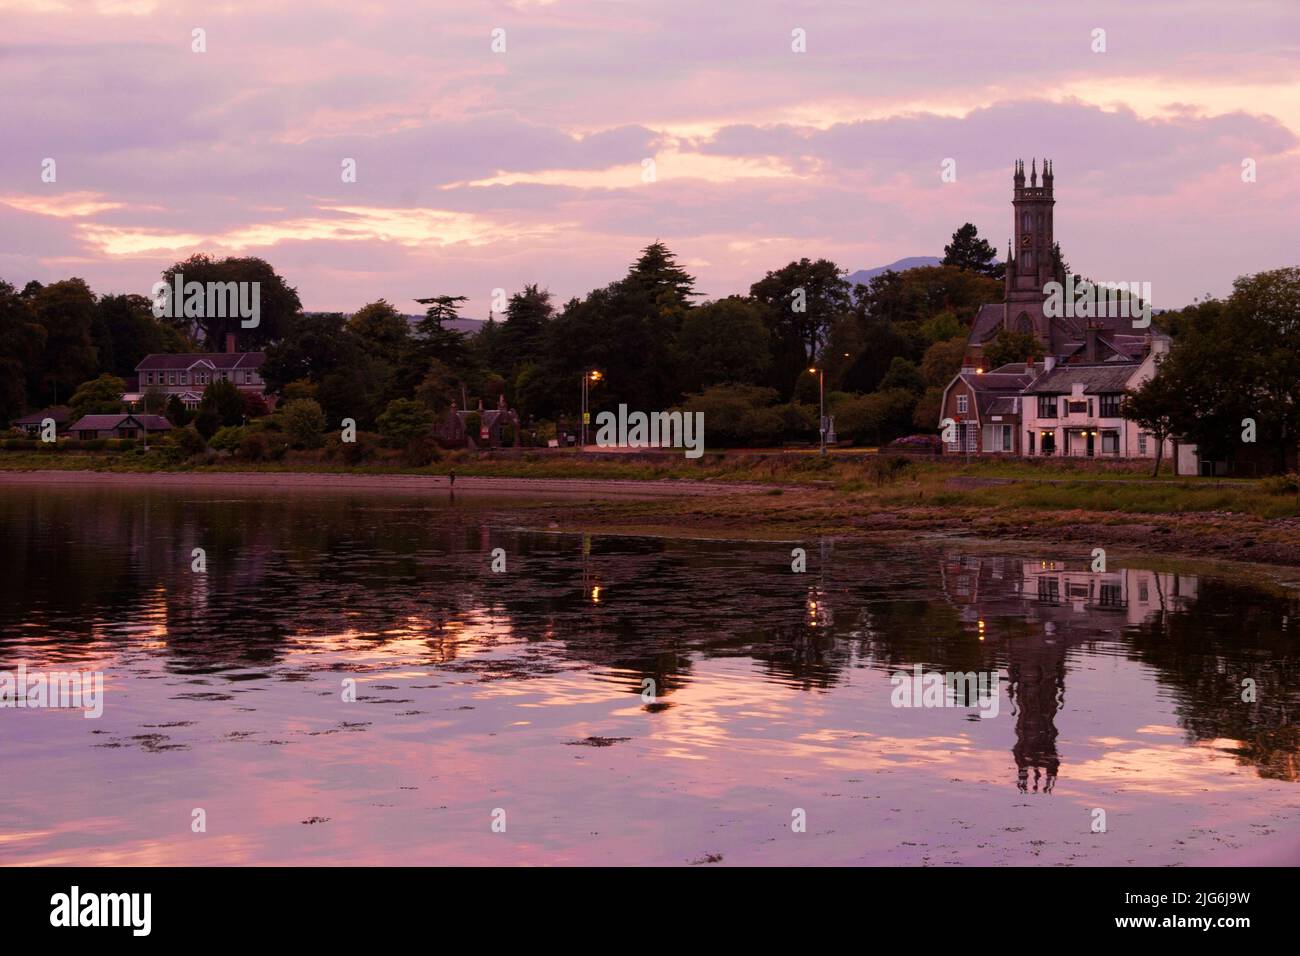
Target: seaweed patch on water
[597,741]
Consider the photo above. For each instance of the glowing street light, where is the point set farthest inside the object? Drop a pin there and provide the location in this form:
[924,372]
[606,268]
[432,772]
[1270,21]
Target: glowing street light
[588,379]
[821,404]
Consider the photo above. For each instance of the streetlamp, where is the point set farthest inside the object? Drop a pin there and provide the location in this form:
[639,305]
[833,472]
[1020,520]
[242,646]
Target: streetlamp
[821,404]
[588,379]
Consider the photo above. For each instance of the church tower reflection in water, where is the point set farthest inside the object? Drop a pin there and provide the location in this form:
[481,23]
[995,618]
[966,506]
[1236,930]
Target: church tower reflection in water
[1067,607]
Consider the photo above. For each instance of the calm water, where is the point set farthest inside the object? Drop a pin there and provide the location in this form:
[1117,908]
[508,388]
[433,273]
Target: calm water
[521,692]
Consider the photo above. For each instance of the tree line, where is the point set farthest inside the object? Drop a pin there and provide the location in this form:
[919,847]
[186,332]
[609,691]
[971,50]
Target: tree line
[886,348]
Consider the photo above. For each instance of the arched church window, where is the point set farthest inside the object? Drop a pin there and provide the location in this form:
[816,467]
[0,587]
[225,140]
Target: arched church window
[1027,221]
[1024,323]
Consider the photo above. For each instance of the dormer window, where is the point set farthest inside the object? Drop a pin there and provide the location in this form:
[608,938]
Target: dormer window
[963,404]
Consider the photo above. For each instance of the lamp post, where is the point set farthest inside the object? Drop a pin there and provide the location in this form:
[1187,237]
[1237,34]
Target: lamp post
[821,405]
[588,379]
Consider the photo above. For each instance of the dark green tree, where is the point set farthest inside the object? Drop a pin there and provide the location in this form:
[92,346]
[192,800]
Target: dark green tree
[278,302]
[1009,346]
[969,252]
[22,339]
[223,398]
[803,299]
[66,311]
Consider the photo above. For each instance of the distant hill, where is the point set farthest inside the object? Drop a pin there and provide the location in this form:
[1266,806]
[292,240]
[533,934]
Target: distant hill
[863,276]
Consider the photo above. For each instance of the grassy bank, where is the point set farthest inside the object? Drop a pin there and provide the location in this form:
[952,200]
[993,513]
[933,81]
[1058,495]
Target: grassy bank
[1012,488]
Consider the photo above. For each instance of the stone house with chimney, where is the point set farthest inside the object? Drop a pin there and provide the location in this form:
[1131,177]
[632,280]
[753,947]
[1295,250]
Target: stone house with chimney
[495,427]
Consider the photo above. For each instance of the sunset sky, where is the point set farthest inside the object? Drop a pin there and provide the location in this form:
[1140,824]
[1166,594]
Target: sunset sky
[479,169]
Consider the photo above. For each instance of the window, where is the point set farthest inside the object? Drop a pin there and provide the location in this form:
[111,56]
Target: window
[1112,595]
[963,404]
[1110,406]
[148,378]
[997,438]
[1029,441]
[1076,408]
[1142,443]
[1049,590]
[171,378]
[1046,406]
[1110,443]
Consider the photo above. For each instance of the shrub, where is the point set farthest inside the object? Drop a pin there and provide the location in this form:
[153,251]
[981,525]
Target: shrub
[1281,485]
[886,469]
[189,441]
[303,421]
[421,452]
[363,449]
[253,446]
[228,438]
[404,421]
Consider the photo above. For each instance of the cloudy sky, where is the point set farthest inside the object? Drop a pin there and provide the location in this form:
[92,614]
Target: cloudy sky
[479,168]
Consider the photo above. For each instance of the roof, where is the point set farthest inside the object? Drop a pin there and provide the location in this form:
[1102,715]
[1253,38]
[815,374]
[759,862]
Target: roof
[216,360]
[998,404]
[1105,378]
[103,423]
[60,416]
[987,321]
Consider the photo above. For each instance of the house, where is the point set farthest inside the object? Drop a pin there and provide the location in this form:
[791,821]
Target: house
[1074,410]
[985,408]
[186,374]
[455,431]
[118,426]
[1068,405]
[33,423]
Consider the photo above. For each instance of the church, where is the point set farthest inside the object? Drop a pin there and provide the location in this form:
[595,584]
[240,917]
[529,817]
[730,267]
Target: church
[1068,403]
[1031,266]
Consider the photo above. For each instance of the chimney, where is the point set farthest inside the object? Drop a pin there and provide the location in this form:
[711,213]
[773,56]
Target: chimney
[1090,343]
[230,343]
[1049,362]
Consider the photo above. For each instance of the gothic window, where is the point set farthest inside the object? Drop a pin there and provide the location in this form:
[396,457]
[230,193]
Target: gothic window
[1027,221]
[1023,323]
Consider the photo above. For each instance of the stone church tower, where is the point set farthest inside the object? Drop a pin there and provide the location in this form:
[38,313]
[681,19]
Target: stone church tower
[1029,260]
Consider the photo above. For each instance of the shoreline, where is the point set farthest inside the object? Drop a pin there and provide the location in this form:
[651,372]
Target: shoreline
[1236,544]
[399,483]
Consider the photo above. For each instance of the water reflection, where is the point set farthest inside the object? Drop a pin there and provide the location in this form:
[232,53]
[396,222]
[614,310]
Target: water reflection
[400,593]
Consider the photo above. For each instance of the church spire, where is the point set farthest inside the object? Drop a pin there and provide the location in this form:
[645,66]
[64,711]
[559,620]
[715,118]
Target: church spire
[1033,172]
